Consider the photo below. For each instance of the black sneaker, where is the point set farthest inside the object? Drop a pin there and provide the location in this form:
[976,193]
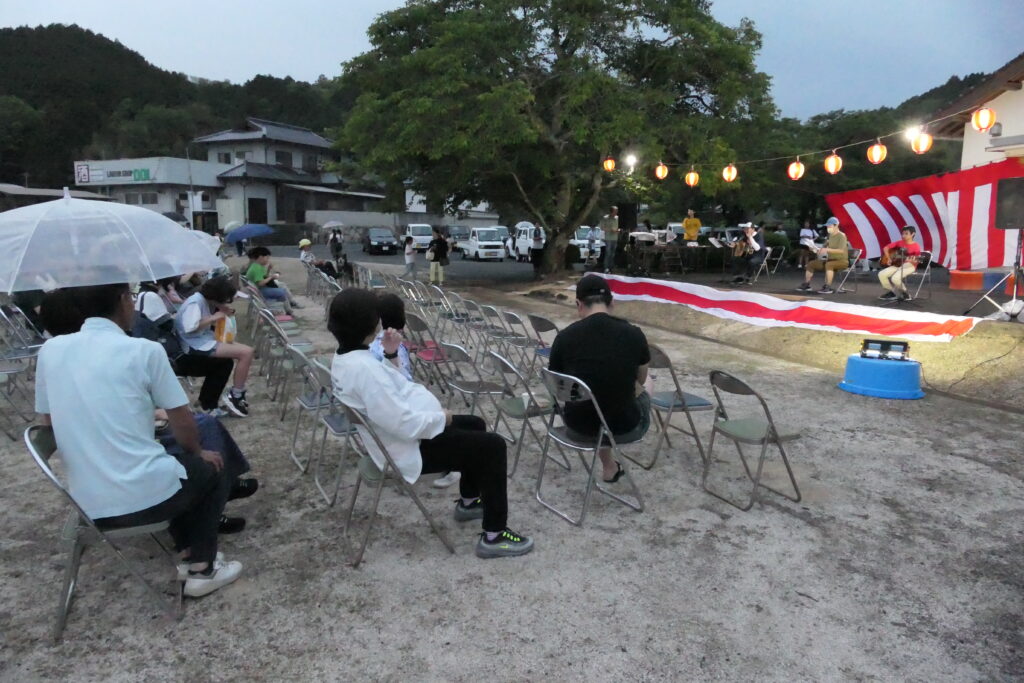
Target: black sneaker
[888,296]
[236,404]
[244,488]
[826,290]
[507,544]
[230,525]
[466,513]
[804,287]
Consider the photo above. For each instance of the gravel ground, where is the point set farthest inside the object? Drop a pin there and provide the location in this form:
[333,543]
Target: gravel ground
[902,562]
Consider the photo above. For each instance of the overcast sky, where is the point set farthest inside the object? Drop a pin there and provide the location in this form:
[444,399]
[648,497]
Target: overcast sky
[821,54]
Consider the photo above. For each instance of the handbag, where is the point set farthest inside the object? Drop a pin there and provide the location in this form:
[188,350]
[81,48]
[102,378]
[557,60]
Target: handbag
[226,330]
[443,261]
[430,254]
[164,335]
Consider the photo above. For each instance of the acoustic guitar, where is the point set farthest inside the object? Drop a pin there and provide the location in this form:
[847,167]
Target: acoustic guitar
[896,257]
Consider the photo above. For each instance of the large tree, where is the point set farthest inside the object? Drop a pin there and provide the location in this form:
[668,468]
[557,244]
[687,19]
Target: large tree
[517,102]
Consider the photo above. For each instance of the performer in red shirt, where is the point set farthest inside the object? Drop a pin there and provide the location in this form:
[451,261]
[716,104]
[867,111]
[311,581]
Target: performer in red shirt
[901,258]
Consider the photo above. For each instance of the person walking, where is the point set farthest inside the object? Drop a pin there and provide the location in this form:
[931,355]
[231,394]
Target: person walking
[439,248]
[610,226]
[410,258]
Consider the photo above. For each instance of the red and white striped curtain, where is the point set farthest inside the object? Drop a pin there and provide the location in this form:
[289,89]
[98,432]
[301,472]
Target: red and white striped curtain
[954,214]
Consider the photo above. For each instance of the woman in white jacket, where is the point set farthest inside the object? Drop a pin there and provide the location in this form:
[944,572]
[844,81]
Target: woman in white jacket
[419,434]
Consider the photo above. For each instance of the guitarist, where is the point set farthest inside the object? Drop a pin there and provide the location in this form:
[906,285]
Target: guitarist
[900,257]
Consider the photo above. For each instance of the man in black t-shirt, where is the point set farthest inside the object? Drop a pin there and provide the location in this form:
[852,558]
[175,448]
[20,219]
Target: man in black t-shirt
[610,355]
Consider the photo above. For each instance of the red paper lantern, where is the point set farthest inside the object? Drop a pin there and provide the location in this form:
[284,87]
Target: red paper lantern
[833,162]
[692,178]
[609,164]
[729,173]
[795,170]
[921,143]
[661,171]
[983,119]
[877,152]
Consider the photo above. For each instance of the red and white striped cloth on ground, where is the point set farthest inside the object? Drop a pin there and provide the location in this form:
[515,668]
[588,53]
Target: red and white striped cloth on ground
[769,311]
[953,213]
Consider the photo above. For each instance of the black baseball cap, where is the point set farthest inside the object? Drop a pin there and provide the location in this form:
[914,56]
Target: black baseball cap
[592,285]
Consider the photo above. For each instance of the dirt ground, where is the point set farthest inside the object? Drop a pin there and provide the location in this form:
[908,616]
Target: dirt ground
[902,562]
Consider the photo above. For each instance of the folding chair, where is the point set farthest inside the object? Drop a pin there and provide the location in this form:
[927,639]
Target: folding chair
[311,399]
[763,268]
[922,275]
[755,430]
[81,531]
[777,260]
[565,389]
[854,258]
[520,340]
[373,475]
[542,326]
[466,380]
[668,403]
[425,352]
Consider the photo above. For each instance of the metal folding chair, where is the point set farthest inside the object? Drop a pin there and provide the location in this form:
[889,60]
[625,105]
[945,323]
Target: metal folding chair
[922,274]
[466,380]
[854,258]
[81,531]
[764,267]
[334,423]
[565,389]
[669,403]
[542,326]
[756,430]
[373,475]
[425,352]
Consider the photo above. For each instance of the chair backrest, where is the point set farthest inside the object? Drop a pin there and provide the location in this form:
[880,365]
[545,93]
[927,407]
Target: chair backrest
[492,316]
[568,389]
[661,361]
[541,326]
[42,445]
[722,381]
[854,257]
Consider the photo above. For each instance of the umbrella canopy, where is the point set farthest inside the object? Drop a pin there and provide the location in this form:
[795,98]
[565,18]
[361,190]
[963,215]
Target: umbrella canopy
[207,240]
[77,242]
[247,232]
[231,226]
[331,225]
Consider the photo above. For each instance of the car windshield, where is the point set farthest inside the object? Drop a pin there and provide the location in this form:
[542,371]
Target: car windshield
[502,232]
[457,232]
[584,233]
[378,233]
[487,236]
[419,230]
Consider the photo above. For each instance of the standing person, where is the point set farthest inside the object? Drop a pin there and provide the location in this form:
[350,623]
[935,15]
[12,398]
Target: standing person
[808,244]
[306,256]
[610,225]
[337,244]
[537,252]
[410,258]
[99,389]
[691,227]
[901,258]
[439,247]
[748,254]
[611,356]
[240,247]
[833,256]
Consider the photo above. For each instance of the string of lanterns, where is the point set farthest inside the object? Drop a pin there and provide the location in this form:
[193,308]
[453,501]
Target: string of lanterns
[920,142]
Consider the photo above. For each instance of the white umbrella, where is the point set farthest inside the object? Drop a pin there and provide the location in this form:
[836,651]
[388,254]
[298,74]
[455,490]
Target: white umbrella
[330,225]
[231,226]
[207,240]
[78,242]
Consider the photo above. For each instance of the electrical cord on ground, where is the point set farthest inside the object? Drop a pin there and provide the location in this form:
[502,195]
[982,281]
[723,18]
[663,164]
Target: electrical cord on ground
[970,369]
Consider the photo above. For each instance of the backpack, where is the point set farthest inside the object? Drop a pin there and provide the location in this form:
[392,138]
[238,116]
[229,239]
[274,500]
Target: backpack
[164,335]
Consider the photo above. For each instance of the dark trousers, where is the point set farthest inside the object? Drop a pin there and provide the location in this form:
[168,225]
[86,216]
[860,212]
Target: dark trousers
[747,264]
[216,372]
[537,259]
[467,447]
[213,436]
[328,269]
[194,511]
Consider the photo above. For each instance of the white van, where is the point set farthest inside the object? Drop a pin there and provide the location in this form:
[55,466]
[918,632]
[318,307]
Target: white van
[421,234]
[482,243]
[522,240]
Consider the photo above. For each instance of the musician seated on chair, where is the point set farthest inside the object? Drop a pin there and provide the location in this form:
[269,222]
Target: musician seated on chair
[748,254]
[99,389]
[901,260]
[835,255]
[420,436]
[610,355]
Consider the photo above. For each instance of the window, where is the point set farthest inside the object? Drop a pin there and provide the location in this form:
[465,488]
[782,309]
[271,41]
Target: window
[283,158]
[309,162]
[131,198]
[183,196]
[149,198]
[223,157]
[242,155]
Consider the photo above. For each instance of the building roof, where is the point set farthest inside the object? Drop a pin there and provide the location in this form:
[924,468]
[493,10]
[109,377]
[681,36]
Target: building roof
[261,129]
[1009,77]
[9,190]
[331,190]
[254,170]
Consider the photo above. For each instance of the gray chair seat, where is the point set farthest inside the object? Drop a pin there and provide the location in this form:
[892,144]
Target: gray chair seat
[309,401]
[753,430]
[337,423]
[671,399]
[477,387]
[514,407]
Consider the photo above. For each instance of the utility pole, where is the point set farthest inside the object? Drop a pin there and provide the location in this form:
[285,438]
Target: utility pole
[25,176]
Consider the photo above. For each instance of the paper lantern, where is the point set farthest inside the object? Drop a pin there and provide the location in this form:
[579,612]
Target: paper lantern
[692,178]
[877,152]
[661,171]
[609,164]
[833,162]
[921,143]
[729,173]
[983,119]
[795,170]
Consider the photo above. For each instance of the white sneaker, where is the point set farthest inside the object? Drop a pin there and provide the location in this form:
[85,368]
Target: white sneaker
[447,480]
[183,566]
[196,586]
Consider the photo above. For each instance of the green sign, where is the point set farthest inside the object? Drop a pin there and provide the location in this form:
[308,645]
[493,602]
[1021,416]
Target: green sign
[140,174]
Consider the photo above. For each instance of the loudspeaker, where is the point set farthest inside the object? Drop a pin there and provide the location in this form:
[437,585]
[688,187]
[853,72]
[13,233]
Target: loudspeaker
[1010,204]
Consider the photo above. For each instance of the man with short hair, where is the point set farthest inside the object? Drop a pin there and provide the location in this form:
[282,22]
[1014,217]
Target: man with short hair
[835,255]
[610,226]
[901,257]
[99,389]
[610,355]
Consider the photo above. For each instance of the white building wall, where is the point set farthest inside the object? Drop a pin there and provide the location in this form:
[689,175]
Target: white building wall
[235,197]
[1009,108]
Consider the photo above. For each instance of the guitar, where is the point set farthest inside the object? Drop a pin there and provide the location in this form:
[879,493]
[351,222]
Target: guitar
[896,257]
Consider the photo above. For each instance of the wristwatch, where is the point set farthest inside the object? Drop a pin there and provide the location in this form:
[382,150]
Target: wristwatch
[391,356]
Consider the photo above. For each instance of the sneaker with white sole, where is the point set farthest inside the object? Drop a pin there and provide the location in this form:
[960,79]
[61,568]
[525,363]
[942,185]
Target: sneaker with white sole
[467,513]
[236,404]
[218,413]
[447,480]
[183,566]
[507,544]
[198,585]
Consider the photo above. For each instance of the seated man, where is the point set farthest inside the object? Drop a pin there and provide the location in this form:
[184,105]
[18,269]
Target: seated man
[610,355]
[99,389]
[419,434]
[835,255]
[901,260]
[748,254]
[259,273]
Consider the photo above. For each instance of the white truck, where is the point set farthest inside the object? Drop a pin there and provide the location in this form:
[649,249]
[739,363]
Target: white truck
[421,234]
[483,243]
[582,241]
[522,240]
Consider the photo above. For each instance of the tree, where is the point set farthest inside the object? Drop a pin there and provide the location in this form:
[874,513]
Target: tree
[19,124]
[517,102]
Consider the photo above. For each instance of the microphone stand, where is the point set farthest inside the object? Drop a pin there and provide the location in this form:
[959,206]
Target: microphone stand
[1017,272]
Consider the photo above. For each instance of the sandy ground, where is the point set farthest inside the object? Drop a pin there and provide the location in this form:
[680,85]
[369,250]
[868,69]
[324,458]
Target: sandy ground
[902,562]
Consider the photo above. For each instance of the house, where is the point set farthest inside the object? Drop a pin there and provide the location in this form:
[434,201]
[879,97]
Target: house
[14,196]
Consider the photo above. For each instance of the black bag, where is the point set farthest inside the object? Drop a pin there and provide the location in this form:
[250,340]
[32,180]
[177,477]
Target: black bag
[165,335]
[443,261]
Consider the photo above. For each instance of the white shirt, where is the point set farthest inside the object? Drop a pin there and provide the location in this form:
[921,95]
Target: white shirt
[410,253]
[401,412]
[191,312]
[152,305]
[100,388]
[306,256]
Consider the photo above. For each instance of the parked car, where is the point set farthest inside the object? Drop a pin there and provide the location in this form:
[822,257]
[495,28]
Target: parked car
[483,243]
[380,241]
[726,234]
[421,234]
[456,234]
[522,240]
[580,239]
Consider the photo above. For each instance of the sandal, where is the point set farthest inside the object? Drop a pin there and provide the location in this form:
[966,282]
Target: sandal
[618,474]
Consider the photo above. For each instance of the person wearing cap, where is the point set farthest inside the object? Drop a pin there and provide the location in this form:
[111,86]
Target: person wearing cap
[610,355]
[901,257]
[306,256]
[835,255]
[750,257]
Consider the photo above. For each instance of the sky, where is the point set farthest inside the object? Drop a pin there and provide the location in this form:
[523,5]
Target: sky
[821,54]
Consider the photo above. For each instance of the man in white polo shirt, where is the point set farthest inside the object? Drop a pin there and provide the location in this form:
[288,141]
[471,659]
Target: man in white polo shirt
[99,389]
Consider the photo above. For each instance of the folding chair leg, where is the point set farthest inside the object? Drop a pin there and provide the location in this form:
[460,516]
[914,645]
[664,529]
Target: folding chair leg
[592,473]
[68,588]
[358,557]
[754,477]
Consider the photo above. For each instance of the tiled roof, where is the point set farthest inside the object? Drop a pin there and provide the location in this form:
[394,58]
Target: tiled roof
[261,129]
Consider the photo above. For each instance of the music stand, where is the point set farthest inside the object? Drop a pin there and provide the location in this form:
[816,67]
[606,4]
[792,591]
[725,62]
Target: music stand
[1013,307]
